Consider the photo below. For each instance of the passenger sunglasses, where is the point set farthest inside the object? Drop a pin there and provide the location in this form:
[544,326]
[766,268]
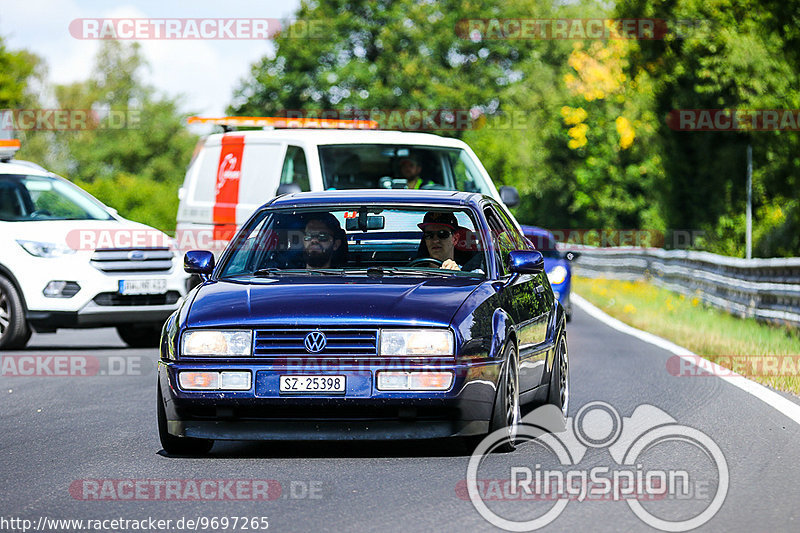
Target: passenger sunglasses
[321,237]
[441,234]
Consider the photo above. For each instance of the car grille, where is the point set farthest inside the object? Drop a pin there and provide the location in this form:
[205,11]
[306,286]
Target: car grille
[281,342]
[114,299]
[118,260]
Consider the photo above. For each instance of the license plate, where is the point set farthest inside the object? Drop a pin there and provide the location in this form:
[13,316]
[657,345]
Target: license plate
[142,286]
[312,384]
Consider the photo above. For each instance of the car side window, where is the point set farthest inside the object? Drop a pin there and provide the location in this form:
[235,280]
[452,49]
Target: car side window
[295,168]
[503,243]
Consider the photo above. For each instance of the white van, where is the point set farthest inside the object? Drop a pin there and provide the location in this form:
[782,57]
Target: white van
[234,173]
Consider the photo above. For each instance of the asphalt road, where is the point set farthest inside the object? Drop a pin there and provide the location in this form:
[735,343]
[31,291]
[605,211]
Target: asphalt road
[59,435]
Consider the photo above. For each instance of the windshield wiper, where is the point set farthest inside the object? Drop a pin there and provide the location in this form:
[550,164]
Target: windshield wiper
[266,272]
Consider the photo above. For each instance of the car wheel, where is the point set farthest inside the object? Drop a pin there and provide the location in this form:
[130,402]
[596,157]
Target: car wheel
[559,377]
[178,445]
[140,336]
[506,415]
[14,330]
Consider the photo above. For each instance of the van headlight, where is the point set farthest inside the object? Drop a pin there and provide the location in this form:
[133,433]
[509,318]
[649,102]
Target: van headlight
[217,343]
[45,249]
[557,275]
[417,342]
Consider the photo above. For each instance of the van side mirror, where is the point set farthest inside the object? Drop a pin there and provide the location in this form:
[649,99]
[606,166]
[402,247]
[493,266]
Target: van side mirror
[198,262]
[525,262]
[571,256]
[509,195]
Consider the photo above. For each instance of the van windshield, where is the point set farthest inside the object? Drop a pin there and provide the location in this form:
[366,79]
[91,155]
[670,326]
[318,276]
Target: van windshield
[26,198]
[386,166]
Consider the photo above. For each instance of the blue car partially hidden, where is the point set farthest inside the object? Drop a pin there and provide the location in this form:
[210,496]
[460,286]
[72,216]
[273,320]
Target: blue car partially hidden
[363,315]
[557,264]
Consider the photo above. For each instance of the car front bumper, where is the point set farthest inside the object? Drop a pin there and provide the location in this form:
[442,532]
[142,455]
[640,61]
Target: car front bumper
[361,413]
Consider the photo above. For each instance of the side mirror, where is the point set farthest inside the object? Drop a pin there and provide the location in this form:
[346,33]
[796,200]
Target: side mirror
[198,262]
[509,195]
[288,188]
[571,256]
[525,262]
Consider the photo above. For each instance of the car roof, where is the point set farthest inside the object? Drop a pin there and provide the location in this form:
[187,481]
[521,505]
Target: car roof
[379,196]
[23,167]
[334,136]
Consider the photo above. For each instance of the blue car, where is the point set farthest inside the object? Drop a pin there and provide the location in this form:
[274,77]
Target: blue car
[557,264]
[363,315]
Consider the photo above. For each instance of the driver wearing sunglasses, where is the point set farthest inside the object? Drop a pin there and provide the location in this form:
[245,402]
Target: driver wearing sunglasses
[321,240]
[439,238]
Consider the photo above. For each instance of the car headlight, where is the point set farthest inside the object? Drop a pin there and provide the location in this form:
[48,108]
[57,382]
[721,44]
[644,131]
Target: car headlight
[45,249]
[416,342]
[557,275]
[215,343]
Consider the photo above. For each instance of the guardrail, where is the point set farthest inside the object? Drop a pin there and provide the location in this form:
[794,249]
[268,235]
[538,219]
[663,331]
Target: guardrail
[767,289]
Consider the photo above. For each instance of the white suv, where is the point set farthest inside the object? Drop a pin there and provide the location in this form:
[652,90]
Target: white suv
[60,267]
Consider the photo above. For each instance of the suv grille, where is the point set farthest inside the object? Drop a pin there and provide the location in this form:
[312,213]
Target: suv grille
[113,299]
[132,260]
[278,342]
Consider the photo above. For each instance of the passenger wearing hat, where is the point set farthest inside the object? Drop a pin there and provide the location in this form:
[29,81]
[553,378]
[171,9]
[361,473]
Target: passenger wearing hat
[439,238]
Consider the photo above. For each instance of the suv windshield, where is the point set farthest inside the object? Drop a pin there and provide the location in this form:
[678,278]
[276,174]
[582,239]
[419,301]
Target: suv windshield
[386,166]
[386,239]
[26,198]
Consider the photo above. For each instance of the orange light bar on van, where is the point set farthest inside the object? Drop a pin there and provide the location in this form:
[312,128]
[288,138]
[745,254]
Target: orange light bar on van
[287,122]
[10,143]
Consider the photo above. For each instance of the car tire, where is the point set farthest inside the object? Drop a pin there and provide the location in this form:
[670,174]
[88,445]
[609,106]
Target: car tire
[178,445]
[507,412]
[14,329]
[140,336]
[559,377]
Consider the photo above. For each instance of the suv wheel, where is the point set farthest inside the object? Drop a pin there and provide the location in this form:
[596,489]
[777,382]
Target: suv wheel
[14,330]
[140,335]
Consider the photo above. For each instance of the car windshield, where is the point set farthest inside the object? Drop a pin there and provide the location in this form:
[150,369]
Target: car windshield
[367,240]
[27,198]
[384,166]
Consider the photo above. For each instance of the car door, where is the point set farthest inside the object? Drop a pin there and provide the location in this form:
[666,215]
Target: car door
[524,298]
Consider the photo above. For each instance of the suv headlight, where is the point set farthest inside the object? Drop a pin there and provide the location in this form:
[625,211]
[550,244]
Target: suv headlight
[557,275]
[216,343]
[416,342]
[45,249]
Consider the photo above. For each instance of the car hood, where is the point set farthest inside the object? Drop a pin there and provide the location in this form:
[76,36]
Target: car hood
[87,235]
[330,300]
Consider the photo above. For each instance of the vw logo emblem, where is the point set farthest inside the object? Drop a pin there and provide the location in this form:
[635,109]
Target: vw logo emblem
[315,341]
[136,255]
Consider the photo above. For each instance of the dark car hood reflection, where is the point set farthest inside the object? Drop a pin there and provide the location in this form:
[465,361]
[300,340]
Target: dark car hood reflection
[330,300]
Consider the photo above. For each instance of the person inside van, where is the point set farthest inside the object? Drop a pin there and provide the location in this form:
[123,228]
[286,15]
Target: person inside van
[411,170]
[324,242]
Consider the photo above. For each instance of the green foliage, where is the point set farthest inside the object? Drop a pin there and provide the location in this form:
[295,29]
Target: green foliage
[134,152]
[746,58]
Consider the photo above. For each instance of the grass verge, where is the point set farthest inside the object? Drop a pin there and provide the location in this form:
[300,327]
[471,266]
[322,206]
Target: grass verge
[765,353]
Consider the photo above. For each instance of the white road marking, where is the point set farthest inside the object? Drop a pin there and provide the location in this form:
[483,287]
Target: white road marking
[771,398]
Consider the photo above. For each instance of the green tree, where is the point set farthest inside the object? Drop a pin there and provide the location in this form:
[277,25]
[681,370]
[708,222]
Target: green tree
[742,54]
[133,153]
